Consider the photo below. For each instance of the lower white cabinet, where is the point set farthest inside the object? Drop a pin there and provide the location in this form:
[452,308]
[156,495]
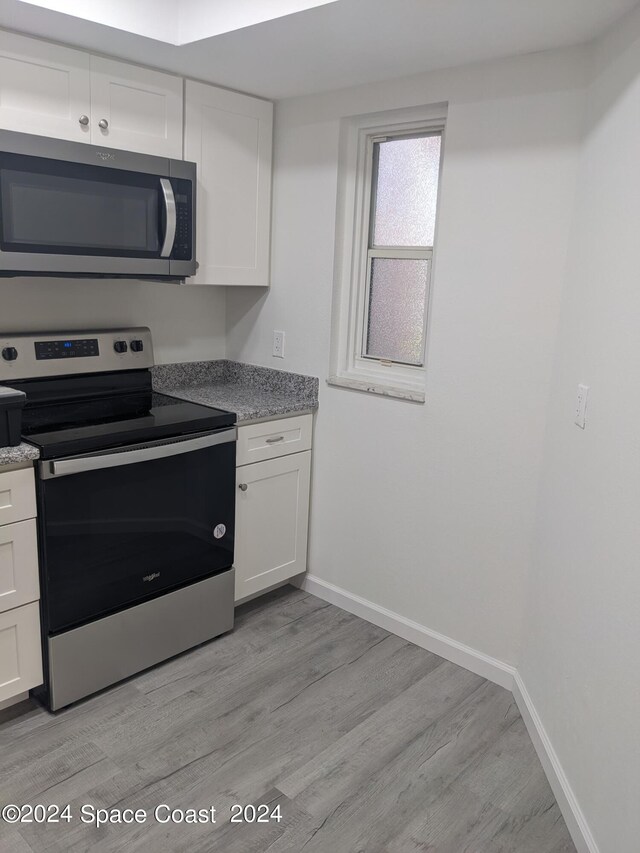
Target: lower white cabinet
[20,652]
[260,441]
[20,649]
[17,495]
[19,582]
[272,517]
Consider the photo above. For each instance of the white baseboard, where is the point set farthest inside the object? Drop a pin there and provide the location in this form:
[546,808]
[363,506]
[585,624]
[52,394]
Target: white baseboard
[569,806]
[483,665]
[490,668]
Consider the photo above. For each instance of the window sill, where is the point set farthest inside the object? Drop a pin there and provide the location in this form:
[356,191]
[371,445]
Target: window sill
[373,387]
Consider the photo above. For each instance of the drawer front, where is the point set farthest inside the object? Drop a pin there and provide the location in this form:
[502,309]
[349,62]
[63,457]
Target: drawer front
[257,442]
[17,495]
[20,652]
[18,565]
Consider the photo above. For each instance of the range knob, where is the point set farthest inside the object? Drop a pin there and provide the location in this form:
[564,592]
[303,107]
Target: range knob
[120,346]
[9,353]
[137,346]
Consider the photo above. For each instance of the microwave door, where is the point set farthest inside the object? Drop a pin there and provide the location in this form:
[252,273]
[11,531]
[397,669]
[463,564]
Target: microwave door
[75,218]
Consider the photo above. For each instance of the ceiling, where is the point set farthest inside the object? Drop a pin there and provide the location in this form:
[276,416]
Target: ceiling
[179,22]
[337,44]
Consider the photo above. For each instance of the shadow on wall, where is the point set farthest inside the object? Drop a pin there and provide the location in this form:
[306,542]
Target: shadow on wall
[244,307]
[616,70]
[187,323]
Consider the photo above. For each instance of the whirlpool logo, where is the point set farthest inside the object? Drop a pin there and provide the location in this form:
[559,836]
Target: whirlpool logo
[105,155]
[151,577]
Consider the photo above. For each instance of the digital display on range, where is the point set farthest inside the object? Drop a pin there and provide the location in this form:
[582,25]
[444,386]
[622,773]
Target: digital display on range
[83,348]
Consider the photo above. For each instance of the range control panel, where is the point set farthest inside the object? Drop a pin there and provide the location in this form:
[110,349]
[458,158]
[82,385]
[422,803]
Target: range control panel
[82,348]
[36,355]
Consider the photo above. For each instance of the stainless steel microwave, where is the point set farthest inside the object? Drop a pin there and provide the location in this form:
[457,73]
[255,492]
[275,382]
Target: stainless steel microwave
[71,209]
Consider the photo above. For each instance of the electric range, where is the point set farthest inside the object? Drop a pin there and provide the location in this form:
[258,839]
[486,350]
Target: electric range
[136,508]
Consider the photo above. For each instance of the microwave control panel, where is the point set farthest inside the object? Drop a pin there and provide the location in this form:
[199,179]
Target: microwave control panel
[182,246]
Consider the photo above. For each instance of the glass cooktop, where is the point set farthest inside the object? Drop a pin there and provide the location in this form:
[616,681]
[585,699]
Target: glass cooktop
[62,420]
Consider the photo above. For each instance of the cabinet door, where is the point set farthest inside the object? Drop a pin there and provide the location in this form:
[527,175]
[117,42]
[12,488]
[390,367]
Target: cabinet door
[272,517]
[142,108]
[17,495]
[229,136]
[20,653]
[19,582]
[44,88]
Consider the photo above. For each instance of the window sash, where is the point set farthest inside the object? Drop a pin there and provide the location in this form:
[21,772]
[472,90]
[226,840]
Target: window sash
[373,166]
[394,253]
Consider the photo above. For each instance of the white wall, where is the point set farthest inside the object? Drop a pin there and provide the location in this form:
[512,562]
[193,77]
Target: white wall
[187,323]
[428,509]
[581,647]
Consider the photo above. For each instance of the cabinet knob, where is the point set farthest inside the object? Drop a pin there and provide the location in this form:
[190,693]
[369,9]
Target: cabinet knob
[103,124]
[243,487]
[83,120]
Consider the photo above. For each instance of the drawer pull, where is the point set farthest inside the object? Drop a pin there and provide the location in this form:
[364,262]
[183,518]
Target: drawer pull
[275,440]
[243,487]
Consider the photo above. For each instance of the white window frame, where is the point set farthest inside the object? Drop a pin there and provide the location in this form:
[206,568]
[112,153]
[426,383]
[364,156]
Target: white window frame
[349,367]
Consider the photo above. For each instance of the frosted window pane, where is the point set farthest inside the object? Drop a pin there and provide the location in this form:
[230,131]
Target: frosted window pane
[406,192]
[397,295]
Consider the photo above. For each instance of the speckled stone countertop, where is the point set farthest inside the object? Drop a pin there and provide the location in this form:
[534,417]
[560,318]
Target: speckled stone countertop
[21,453]
[250,391]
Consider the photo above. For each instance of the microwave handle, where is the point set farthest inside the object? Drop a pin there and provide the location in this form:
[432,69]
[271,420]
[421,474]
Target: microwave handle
[170,208]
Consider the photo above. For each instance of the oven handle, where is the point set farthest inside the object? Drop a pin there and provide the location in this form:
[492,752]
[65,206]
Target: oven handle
[146,453]
[170,209]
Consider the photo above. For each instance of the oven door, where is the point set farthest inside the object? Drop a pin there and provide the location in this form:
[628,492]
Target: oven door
[124,526]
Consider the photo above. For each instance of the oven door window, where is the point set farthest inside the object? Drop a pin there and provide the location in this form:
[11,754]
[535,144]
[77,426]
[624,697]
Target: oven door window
[54,207]
[115,537]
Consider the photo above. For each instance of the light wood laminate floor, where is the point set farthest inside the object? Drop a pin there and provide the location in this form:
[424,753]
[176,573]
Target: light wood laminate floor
[366,742]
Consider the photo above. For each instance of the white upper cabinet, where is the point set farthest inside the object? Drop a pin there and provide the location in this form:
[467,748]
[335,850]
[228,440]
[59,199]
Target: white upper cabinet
[229,136]
[44,88]
[135,109]
[68,94]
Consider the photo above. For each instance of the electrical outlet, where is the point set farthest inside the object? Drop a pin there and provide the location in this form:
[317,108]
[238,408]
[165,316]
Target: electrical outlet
[581,406]
[278,344]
